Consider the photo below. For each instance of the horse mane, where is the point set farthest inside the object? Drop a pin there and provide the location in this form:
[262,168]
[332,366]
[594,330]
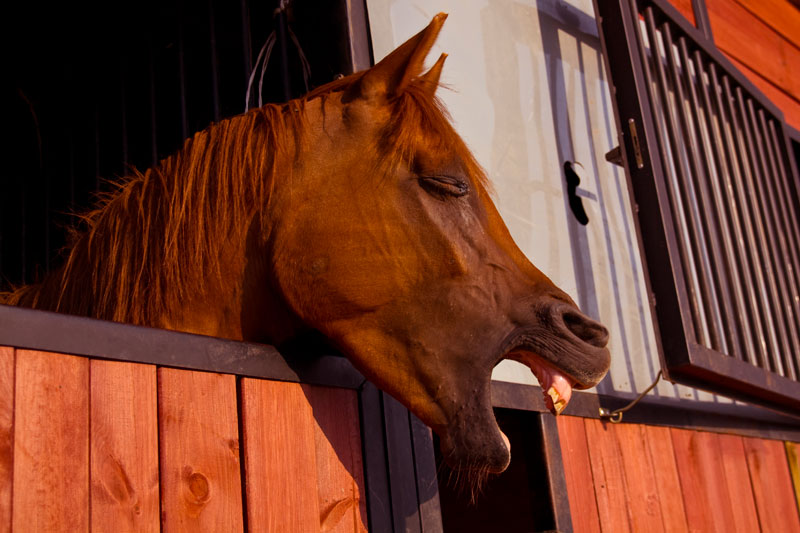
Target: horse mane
[152,241]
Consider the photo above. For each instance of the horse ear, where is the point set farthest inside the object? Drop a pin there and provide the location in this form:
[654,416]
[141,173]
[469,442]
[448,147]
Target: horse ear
[431,78]
[394,72]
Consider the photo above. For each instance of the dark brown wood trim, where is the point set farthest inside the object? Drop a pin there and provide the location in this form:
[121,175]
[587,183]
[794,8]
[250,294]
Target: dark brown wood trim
[87,337]
[551,448]
[731,418]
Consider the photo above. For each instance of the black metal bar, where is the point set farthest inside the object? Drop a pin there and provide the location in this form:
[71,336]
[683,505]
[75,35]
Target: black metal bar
[703,207]
[680,202]
[782,251]
[701,20]
[212,39]
[765,235]
[728,156]
[281,28]
[651,120]
[665,10]
[743,185]
[358,29]
[717,175]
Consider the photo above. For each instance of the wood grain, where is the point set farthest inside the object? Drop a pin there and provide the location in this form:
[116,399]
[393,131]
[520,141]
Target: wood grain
[780,15]
[734,463]
[51,445]
[124,447]
[772,485]
[740,34]
[793,456]
[640,481]
[667,481]
[685,8]
[703,480]
[340,476]
[578,473]
[609,476]
[6,436]
[280,457]
[198,432]
[787,104]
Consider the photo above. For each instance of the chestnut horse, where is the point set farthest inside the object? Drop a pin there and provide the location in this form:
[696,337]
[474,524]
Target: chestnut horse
[355,211]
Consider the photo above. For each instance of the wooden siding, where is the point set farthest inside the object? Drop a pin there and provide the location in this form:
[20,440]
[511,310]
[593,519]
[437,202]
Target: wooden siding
[633,477]
[762,38]
[114,446]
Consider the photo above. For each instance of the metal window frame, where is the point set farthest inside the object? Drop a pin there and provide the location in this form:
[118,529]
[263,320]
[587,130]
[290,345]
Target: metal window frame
[683,358]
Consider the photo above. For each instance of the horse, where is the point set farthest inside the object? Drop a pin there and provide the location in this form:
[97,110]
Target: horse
[356,212]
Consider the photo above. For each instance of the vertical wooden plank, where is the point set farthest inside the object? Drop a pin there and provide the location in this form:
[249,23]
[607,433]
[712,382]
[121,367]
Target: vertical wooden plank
[124,447]
[280,457]
[734,463]
[644,510]
[198,432]
[667,481]
[400,459]
[430,509]
[6,436]
[703,480]
[772,485]
[340,478]
[608,475]
[51,443]
[793,455]
[376,472]
[578,472]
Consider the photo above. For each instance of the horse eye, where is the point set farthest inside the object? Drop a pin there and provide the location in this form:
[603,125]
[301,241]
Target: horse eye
[444,186]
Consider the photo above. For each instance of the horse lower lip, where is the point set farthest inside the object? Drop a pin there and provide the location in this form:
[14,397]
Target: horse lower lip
[556,385]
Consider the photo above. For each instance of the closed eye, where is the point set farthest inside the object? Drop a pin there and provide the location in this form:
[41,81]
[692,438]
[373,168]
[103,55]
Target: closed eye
[443,186]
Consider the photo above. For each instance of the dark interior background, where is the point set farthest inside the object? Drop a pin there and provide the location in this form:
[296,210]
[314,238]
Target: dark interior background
[93,89]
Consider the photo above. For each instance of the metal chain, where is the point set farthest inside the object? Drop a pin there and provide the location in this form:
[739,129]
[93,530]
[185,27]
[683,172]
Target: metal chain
[615,416]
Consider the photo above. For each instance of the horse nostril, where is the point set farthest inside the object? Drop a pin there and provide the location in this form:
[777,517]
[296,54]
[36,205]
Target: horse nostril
[586,329]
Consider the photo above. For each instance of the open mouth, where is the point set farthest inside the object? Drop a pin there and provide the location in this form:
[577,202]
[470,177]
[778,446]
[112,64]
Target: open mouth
[556,385]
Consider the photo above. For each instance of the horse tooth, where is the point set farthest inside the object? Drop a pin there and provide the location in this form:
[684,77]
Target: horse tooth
[558,403]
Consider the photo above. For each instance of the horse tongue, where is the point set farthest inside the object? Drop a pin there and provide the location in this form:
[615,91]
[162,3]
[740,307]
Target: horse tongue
[556,386]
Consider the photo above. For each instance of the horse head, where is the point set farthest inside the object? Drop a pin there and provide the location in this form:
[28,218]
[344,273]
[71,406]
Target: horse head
[385,240]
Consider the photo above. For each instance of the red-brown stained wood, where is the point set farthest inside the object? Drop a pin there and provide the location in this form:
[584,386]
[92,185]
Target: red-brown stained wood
[667,481]
[340,477]
[787,104]
[703,481]
[685,7]
[280,457]
[740,493]
[6,435]
[793,455]
[780,15]
[124,447]
[772,485]
[578,474]
[199,453]
[609,476]
[51,443]
[740,34]
[644,509]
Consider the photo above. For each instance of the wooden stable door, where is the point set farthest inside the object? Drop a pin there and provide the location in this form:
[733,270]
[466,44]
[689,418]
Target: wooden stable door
[124,447]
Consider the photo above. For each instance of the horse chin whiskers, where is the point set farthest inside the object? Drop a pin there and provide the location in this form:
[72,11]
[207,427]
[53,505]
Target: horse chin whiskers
[468,479]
